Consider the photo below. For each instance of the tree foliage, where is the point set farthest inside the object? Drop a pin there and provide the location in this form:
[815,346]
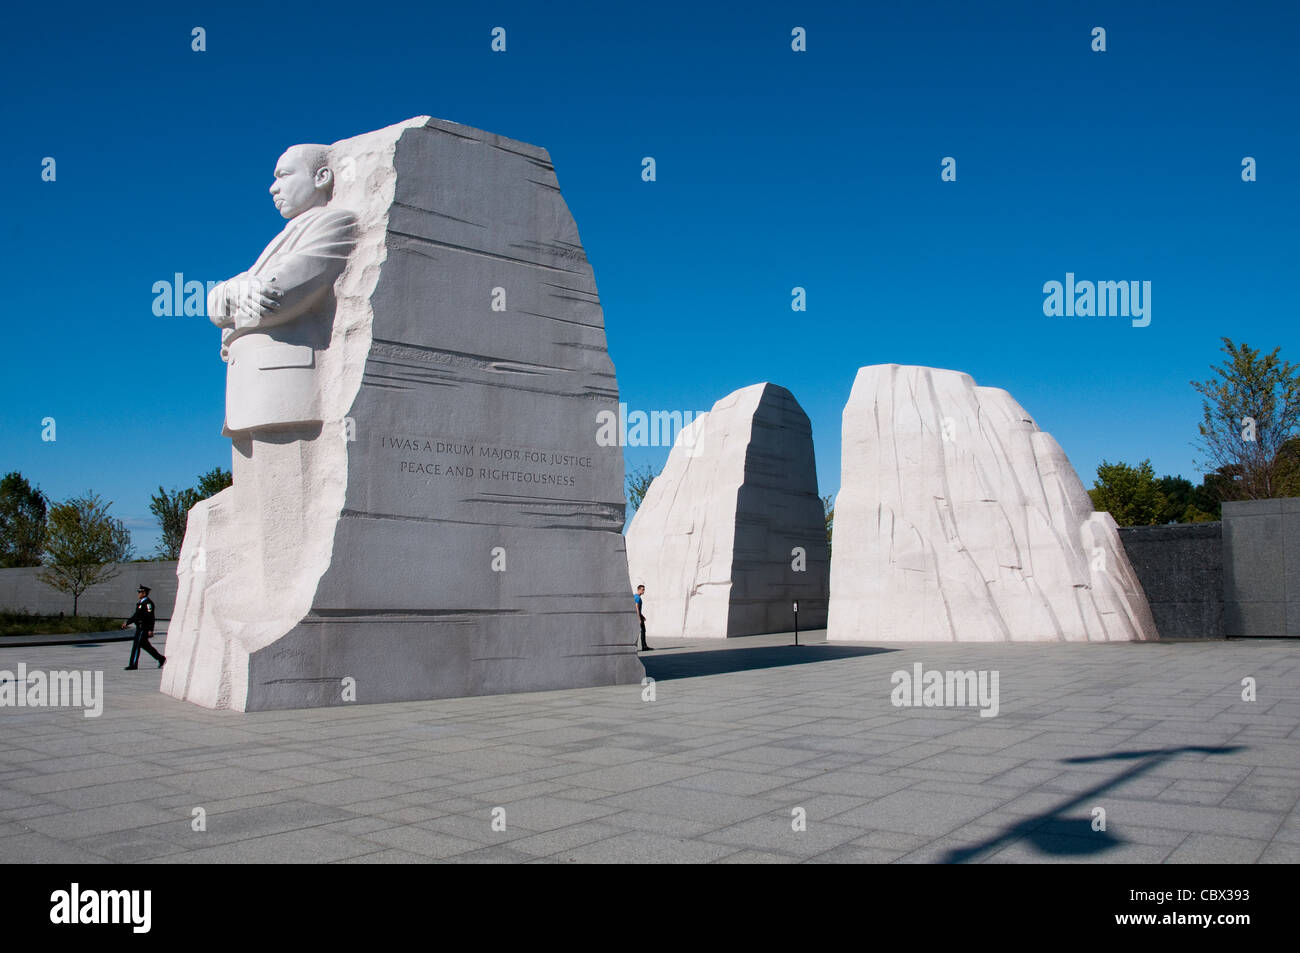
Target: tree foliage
[1286,469]
[828,510]
[22,522]
[213,482]
[1185,502]
[1130,494]
[1251,412]
[1135,497]
[638,484]
[172,509]
[83,544]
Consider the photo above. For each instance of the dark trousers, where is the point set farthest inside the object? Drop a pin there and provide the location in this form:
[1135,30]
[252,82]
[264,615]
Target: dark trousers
[142,642]
[643,645]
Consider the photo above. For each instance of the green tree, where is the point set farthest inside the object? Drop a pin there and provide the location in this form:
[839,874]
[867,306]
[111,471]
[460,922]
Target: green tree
[213,482]
[828,510]
[1130,494]
[1185,502]
[1287,468]
[83,544]
[172,509]
[1217,487]
[22,522]
[1251,412]
[638,484]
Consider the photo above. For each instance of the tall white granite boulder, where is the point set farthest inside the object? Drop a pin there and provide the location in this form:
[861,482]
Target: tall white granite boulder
[959,520]
[420,506]
[732,532]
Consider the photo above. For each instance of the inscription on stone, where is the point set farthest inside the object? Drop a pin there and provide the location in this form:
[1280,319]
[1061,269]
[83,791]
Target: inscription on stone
[430,458]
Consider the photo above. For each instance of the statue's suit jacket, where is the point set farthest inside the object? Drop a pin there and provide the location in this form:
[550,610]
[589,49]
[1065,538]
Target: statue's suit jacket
[272,360]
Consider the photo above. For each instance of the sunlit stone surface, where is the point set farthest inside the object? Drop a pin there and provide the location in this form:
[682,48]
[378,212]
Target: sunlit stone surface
[732,532]
[423,511]
[958,519]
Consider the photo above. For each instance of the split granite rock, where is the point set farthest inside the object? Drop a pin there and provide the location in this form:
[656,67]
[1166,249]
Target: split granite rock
[732,533]
[959,520]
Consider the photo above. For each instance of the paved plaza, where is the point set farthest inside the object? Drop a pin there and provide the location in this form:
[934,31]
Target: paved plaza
[741,741]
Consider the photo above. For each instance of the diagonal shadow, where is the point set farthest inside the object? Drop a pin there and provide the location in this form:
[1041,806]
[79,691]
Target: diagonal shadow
[666,665]
[1054,833]
[75,639]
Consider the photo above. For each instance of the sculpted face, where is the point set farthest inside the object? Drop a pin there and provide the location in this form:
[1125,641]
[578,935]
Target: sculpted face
[301,182]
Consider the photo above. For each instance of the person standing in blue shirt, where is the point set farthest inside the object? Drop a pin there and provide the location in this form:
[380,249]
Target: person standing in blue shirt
[640,591]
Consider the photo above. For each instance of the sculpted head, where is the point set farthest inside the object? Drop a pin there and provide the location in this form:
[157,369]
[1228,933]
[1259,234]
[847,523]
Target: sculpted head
[303,180]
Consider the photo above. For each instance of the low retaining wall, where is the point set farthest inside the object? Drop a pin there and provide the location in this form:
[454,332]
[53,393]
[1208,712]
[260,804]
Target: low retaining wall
[1180,567]
[1261,568]
[20,589]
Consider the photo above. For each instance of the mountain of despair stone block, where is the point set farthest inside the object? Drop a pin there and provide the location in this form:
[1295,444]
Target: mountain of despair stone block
[959,520]
[420,506]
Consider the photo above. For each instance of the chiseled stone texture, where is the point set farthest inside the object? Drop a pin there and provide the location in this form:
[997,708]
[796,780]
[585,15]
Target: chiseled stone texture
[959,520]
[369,551]
[714,539]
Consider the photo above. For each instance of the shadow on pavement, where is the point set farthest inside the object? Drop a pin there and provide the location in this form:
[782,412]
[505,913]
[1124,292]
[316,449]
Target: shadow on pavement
[86,639]
[669,664]
[1055,834]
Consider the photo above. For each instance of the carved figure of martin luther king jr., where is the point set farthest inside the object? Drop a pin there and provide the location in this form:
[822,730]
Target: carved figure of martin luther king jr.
[276,316]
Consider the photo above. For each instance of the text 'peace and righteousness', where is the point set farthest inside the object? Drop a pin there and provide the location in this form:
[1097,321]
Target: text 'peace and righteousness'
[466,461]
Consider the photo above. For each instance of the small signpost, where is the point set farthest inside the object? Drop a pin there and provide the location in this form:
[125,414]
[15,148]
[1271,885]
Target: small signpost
[796,623]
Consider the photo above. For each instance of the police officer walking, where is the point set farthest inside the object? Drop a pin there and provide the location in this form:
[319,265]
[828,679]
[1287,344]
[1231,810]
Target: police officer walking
[143,620]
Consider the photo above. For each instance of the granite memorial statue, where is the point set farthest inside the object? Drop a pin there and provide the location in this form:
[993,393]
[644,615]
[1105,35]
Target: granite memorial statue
[276,315]
[420,507]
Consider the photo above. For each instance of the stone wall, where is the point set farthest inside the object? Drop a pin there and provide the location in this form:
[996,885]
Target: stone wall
[1181,569]
[1261,568]
[1240,577]
[20,589]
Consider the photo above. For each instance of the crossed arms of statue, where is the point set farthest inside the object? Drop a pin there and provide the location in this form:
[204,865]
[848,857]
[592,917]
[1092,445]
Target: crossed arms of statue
[288,284]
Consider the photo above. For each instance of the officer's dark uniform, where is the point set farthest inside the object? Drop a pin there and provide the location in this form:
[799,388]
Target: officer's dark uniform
[143,620]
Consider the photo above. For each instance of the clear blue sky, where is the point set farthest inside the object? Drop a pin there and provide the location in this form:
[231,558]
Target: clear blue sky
[775,169]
